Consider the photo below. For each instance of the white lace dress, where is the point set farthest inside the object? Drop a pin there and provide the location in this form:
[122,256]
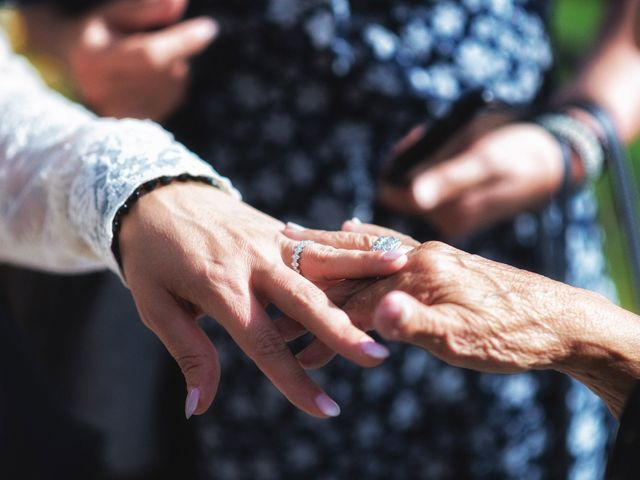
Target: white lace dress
[65,172]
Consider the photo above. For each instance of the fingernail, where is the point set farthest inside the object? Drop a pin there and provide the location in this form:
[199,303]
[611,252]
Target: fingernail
[392,256]
[295,226]
[375,350]
[426,194]
[206,28]
[327,405]
[356,220]
[191,403]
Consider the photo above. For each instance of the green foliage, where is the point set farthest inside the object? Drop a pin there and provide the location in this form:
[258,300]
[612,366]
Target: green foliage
[575,25]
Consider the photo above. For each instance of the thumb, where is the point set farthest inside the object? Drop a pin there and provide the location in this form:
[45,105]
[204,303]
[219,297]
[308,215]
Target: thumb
[188,345]
[400,317]
[180,41]
[448,180]
[138,15]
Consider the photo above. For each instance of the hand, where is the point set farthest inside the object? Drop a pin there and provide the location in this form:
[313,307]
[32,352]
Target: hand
[189,250]
[478,314]
[483,176]
[121,68]
[355,236]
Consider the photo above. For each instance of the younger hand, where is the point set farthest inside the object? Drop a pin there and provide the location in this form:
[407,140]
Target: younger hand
[189,250]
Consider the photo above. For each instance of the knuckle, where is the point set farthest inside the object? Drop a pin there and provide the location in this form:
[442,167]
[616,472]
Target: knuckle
[268,343]
[435,251]
[149,56]
[361,241]
[435,256]
[191,364]
[312,296]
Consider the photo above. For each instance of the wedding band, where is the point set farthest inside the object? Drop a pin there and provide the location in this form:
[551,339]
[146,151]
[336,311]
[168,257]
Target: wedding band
[297,253]
[386,244]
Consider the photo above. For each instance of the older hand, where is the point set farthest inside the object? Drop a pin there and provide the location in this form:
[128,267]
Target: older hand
[128,58]
[480,179]
[475,313]
[189,250]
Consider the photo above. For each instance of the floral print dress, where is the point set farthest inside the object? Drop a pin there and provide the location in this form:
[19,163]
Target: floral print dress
[299,102]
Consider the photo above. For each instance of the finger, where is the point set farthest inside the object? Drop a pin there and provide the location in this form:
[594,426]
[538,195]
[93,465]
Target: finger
[259,338]
[345,240]
[356,226]
[188,345]
[398,198]
[447,180]
[315,356]
[138,15]
[321,263]
[289,329]
[301,300]
[341,292]
[177,42]
[400,317]
[486,206]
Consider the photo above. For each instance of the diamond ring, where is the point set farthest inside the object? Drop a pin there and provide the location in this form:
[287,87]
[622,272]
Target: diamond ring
[297,253]
[386,244]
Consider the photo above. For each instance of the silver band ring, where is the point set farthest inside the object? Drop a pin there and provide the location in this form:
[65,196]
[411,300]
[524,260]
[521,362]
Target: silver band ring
[386,244]
[297,253]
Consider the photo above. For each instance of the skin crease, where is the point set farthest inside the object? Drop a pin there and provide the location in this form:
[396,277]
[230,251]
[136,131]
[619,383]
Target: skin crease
[189,249]
[475,313]
[118,65]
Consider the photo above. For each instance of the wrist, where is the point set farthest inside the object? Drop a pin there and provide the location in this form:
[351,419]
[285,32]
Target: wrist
[131,213]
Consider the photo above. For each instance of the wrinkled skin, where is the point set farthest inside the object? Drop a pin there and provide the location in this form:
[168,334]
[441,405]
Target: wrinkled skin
[475,313]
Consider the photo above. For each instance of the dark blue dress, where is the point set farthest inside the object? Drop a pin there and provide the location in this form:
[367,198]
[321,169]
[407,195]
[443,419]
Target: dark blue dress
[299,102]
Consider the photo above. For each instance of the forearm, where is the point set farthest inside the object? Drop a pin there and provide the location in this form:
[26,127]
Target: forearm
[602,341]
[609,76]
[64,173]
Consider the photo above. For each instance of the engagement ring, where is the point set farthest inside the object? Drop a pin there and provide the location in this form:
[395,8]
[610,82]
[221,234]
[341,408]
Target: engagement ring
[386,244]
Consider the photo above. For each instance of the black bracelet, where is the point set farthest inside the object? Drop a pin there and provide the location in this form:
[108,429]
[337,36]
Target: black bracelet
[142,190]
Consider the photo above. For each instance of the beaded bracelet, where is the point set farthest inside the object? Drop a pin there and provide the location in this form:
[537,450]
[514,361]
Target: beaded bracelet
[582,140]
[139,192]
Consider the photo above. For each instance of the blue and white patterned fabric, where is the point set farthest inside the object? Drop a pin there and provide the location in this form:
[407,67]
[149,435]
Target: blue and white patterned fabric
[298,102]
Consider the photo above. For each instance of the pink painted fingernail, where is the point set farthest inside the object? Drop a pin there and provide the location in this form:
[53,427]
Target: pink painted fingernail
[295,226]
[375,350]
[191,403]
[392,256]
[327,405]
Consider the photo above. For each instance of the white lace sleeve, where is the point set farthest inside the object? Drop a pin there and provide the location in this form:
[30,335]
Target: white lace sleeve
[65,172]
